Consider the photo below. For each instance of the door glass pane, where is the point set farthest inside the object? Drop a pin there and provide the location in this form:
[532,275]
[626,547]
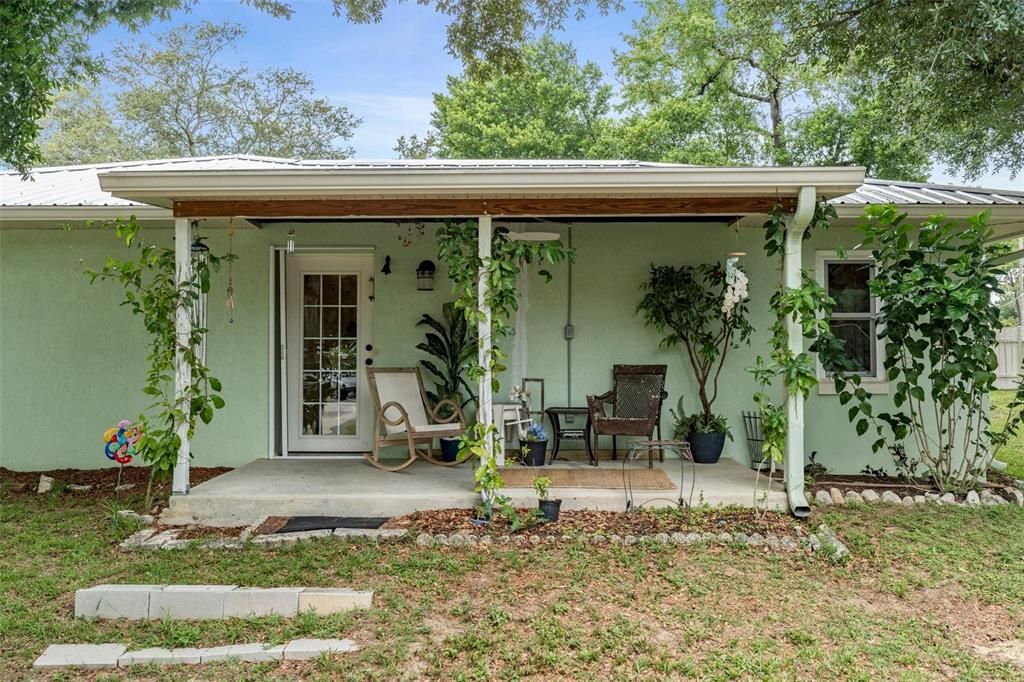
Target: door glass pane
[311,354]
[346,355]
[331,316]
[310,387]
[848,285]
[348,322]
[310,322]
[349,290]
[311,289]
[310,420]
[330,293]
[329,355]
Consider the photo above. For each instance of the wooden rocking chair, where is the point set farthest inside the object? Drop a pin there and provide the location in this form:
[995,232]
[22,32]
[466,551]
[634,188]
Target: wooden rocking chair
[405,417]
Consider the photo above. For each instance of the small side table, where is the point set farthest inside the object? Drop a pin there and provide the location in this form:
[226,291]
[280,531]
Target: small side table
[559,433]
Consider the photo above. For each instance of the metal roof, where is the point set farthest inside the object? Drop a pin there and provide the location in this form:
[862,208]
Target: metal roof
[70,186]
[918,193]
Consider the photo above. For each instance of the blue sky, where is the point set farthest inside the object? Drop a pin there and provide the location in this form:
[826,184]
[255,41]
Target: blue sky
[386,73]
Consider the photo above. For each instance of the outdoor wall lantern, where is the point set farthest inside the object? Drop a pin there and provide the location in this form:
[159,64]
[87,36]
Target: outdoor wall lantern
[425,276]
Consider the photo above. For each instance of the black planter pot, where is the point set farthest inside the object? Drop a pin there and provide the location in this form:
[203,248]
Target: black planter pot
[706,447]
[449,449]
[534,452]
[550,508]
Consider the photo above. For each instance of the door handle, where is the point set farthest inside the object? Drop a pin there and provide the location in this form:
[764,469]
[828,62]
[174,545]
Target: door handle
[369,361]
[369,347]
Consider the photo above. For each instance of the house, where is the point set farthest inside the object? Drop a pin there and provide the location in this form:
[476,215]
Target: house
[71,359]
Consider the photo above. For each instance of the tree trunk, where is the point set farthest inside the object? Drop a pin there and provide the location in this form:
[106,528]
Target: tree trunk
[778,122]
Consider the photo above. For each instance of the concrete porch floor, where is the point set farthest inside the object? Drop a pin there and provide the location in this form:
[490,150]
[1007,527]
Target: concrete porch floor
[351,487]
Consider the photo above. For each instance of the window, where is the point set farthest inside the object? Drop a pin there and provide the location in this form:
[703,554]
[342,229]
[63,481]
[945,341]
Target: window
[853,317]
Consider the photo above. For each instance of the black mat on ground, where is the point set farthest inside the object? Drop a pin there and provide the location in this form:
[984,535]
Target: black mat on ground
[297,523]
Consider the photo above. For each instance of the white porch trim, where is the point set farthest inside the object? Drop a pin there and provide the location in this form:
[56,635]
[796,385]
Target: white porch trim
[182,369]
[485,413]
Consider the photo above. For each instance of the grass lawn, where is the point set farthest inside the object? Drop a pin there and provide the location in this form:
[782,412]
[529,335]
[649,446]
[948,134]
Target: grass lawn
[924,586]
[1013,452]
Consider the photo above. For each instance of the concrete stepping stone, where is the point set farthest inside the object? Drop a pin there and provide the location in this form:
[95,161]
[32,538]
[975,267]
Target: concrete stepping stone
[213,602]
[303,649]
[250,653]
[189,602]
[88,656]
[114,601]
[160,656]
[249,602]
[327,600]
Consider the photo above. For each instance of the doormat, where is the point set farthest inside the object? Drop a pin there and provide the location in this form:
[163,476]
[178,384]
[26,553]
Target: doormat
[299,523]
[611,479]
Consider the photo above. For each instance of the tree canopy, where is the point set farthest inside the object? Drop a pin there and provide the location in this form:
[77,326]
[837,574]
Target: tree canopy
[703,83]
[554,107]
[44,48]
[952,71]
[179,97]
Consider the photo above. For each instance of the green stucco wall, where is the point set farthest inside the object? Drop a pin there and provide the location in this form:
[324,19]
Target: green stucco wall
[71,360]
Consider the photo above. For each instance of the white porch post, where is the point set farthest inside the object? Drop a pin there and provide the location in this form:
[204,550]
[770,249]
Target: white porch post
[486,412]
[792,267]
[182,370]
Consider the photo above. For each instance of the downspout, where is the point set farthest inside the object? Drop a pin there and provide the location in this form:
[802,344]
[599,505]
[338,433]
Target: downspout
[792,266]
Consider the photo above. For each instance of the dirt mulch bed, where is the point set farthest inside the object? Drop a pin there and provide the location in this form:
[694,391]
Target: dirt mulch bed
[271,525]
[102,481]
[621,523]
[861,483]
[202,532]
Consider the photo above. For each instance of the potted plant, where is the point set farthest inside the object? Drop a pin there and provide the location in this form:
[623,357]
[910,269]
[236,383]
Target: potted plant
[549,508]
[535,446]
[453,343]
[702,308]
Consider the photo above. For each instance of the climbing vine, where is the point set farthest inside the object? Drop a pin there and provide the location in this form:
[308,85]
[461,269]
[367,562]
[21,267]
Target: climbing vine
[152,292]
[809,305]
[458,249]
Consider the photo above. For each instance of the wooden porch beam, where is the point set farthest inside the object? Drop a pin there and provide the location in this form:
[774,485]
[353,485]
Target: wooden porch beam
[468,208]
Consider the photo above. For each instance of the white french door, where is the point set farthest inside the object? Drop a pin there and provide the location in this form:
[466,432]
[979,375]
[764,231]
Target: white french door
[328,332]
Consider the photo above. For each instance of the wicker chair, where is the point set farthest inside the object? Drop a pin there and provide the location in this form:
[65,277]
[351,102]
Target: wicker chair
[636,397]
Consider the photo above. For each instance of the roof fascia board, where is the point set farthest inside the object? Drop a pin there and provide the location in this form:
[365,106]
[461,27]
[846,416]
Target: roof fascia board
[301,182]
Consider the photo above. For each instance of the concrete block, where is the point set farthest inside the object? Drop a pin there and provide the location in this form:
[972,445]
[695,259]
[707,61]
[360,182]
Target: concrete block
[114,601]
[327,600]
[302,649]
[88,656]
[242,652]
[247,602]
[160,656]
[372,533]
[189,602]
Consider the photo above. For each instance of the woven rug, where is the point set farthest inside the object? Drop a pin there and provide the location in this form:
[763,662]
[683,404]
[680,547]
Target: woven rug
[641,479]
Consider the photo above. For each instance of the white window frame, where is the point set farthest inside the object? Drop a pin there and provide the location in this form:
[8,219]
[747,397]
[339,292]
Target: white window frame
[872,383]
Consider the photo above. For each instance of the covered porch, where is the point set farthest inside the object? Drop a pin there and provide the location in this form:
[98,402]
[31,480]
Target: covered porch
[620,211]
[350,487]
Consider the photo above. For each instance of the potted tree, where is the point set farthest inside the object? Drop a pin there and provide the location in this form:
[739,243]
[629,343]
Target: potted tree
[535,446]
[549,508]
[453,343]
[702,308]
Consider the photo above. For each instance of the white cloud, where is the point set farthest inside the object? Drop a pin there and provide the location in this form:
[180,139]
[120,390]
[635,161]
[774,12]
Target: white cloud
[385,118]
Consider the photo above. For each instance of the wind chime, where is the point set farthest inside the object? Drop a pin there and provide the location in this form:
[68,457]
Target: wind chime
[229,302]
[200,261]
